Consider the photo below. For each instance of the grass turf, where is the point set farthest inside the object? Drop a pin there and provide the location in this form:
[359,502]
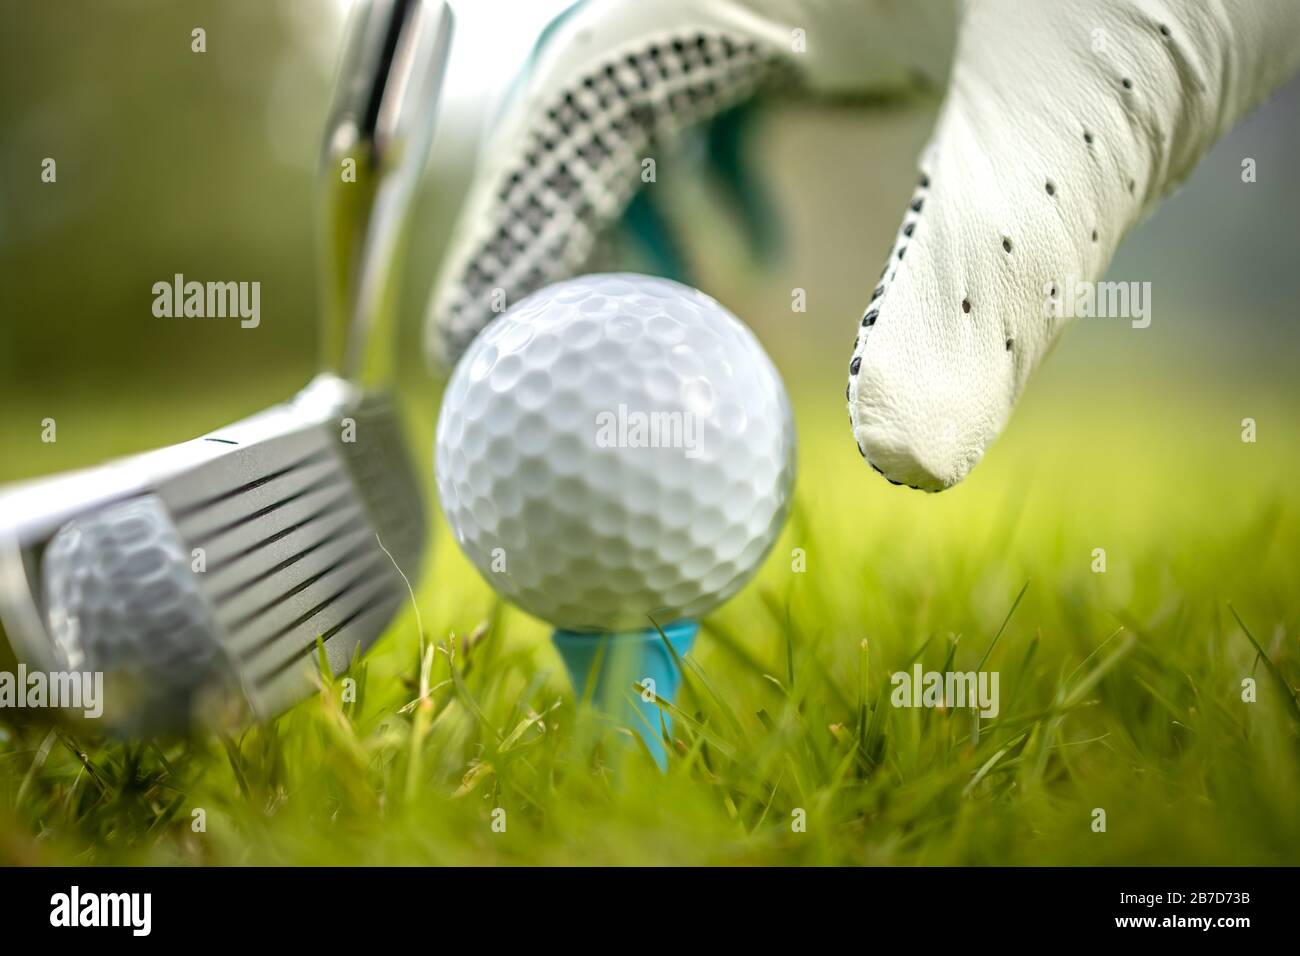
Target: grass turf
[1119,690]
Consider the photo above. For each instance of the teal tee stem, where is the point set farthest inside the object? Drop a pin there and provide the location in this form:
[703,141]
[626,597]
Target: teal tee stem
[607,669]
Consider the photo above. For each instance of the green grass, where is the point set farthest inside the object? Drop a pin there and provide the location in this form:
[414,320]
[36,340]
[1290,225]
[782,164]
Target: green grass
[1119,691]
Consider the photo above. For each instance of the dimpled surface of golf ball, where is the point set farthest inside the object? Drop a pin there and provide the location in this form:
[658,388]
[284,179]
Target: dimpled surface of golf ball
[615,450]
[120,598]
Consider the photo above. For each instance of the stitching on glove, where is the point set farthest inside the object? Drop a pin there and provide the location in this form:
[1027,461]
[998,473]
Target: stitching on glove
[910,221]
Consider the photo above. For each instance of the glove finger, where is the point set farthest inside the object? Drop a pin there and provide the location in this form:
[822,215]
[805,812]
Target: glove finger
[1063,126]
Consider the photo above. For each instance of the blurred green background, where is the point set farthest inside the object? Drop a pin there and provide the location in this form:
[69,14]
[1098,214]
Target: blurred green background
[169,161]
[204,164]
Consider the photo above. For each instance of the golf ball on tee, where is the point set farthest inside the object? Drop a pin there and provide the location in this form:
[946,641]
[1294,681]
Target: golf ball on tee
[615,449]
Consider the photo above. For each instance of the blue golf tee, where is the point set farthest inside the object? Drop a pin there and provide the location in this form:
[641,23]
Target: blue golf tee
[608,669]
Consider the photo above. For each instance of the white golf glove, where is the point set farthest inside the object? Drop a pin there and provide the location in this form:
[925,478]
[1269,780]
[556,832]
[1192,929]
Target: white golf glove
[1063,125]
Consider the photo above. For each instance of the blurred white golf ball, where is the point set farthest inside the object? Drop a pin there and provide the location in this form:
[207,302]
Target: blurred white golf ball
[120,599]
[615,447]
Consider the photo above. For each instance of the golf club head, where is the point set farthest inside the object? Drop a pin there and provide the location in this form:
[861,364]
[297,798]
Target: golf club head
[206,575]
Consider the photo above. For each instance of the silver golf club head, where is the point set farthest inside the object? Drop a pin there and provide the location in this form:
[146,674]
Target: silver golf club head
[204,577]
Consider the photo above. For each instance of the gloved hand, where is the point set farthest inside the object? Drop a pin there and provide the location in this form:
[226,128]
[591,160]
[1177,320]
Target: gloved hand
[1063,125]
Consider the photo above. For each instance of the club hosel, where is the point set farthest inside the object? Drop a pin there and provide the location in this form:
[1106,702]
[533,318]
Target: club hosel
[361,245]
[376,141]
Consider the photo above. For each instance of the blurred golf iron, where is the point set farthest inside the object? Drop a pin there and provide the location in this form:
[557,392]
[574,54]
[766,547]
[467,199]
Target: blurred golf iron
[218,564]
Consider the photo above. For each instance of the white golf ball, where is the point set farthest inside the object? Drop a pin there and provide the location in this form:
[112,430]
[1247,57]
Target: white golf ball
[120,599]
[615,449]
